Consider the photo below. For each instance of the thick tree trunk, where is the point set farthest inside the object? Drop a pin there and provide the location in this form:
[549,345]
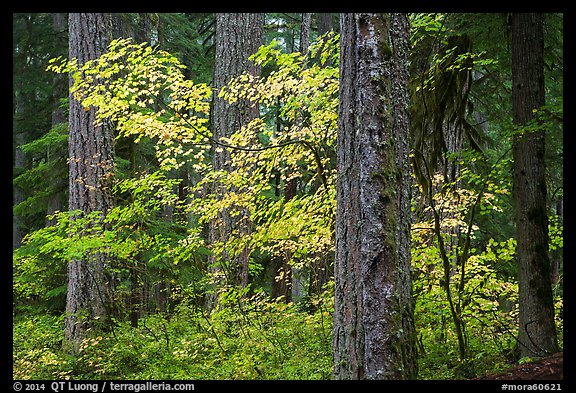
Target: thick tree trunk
[374,335]
[90,150]
[537,331]
[238,35]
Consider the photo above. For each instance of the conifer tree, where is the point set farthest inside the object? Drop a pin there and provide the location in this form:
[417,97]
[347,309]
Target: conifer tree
[373,334]
[537,330]
[91,167]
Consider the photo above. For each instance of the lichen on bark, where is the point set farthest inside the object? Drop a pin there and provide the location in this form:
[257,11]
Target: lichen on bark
[373,295]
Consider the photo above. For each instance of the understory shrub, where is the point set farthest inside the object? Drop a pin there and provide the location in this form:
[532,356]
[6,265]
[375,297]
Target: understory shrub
[246,338]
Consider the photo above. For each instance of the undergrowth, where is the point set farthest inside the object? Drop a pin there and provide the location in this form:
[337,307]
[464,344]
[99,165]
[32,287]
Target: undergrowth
[246,338]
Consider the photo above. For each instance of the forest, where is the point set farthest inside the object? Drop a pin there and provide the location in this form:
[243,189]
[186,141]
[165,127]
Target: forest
[286,196]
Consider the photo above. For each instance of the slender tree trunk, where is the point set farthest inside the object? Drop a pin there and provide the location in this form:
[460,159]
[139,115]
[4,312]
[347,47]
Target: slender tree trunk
[324,23]
[238,36]
[322,273]
[537,330]
[91,164]
[22,101]
[141,293]
[297,274]
[56,201]
[20,163]
[374,335]
[305,31]
[282,280]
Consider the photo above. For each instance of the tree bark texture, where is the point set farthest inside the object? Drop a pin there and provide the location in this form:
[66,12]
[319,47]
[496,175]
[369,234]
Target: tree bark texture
[374,335]
[537,330]
[90,150]
[238,35]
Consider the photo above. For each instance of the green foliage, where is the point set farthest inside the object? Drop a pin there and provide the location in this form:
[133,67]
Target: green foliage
[487,304]
[189,36]
[129,83]
[148,98]
[47,176]
[555,233]
[164,201]
[36,348]
[302,97]
[144,92]
[248,338]
[39,276]
[482,289]
[38,147]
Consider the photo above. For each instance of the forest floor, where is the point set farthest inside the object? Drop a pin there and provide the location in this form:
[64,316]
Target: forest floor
[548,368]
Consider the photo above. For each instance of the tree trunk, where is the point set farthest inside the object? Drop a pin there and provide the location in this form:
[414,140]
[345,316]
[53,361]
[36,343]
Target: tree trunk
[305,31]
[537,330]
[297,274]
[22,104]
[374,335]
[20,163]
[324,23]
[56,201]
[238,35]
[282,279]
[90,151]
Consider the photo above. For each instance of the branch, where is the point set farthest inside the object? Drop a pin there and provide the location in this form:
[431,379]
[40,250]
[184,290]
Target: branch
[307,144]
